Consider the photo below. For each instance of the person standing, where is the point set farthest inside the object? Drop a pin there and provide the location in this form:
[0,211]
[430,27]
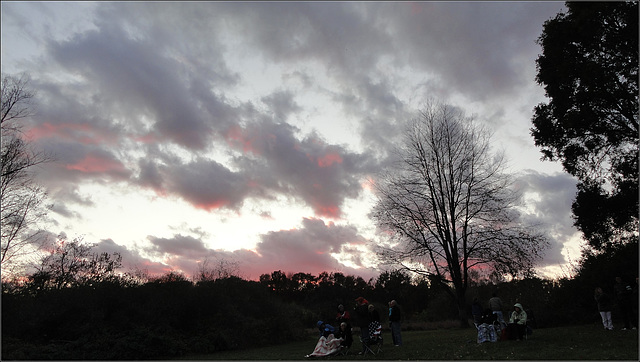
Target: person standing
[623,298]
[634,302]
[362,317]
[604,307]
[495,304]
[395,316]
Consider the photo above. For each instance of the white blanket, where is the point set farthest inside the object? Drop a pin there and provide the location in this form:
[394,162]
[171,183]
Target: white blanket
[326,346]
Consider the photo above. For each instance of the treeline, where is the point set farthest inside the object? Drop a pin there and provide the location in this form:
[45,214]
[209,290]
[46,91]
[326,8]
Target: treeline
[95,313]
[165,318]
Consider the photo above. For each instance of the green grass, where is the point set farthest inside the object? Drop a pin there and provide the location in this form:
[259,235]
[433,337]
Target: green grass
[588,342]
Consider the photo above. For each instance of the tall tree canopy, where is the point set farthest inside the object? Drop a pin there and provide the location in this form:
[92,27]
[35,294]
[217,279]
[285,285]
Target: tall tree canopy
[589,70]
[449,206]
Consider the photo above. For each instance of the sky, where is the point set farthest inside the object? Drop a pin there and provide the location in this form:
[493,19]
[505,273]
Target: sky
[252,132]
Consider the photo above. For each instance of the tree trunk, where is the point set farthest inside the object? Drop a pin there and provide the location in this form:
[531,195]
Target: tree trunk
[462,310]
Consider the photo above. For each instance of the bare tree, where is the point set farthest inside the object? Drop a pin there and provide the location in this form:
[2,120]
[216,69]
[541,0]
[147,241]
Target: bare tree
[219,268]
[21,198]
[448,206]
[72,263]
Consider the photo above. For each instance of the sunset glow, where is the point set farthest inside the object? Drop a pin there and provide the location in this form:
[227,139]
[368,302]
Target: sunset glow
[255,132]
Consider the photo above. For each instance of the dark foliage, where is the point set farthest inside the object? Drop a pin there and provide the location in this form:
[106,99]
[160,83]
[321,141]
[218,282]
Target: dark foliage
[589,70]
[170,316]
[155,320]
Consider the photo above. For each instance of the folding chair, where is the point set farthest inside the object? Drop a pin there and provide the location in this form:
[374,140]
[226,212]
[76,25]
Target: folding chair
[373,344]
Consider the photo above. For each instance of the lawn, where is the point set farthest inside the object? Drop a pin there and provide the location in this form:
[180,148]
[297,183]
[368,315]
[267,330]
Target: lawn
[588,342]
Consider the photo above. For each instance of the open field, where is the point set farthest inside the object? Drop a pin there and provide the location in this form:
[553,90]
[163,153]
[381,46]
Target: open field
[587,342]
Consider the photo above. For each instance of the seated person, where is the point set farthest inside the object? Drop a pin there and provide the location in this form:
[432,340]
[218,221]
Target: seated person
[345,334]
[328,344]
[325,329]
[517,323]
[343,315]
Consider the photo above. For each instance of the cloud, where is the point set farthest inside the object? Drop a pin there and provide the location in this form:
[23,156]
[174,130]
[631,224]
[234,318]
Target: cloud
[227,105]
[549,198]
[309,248]
[321,174]
[207,184]
[132,260]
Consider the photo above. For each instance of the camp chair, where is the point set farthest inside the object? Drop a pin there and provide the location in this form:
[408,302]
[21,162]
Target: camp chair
[373,344]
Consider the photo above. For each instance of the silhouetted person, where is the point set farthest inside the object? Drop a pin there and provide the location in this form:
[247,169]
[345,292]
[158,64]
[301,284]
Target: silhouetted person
[623,298]
[395,316]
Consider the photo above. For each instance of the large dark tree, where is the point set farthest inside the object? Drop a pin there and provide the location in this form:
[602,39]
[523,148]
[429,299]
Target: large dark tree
[589,70]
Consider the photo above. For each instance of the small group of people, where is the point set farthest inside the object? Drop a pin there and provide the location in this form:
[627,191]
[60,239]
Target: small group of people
[367,318]
[515,329]
[626,298]
[332,340]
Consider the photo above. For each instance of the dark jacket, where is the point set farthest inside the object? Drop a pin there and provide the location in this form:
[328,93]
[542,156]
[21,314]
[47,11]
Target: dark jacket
[395,315]
[374,316]
[362,316]
[604,302]
[346,335]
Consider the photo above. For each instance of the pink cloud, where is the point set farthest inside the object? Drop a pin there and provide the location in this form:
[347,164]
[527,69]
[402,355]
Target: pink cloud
[332,211]
[211,205]
[236,136]
[95,164]
[306,249]
[328,159]
[148,138]
[80,132]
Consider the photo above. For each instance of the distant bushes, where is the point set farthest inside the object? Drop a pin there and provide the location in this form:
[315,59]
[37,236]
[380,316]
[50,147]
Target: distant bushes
[151,321]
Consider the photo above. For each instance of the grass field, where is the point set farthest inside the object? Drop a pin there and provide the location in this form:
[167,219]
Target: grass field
[588,342]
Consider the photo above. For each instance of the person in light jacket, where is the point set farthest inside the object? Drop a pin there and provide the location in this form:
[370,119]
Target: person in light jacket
[517,323]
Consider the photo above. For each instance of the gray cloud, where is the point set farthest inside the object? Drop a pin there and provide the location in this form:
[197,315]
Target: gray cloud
[551,209]
[145,93]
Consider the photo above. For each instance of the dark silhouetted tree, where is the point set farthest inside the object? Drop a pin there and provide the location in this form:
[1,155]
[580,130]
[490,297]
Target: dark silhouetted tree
[589,70]
[448,206]
[71,264]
